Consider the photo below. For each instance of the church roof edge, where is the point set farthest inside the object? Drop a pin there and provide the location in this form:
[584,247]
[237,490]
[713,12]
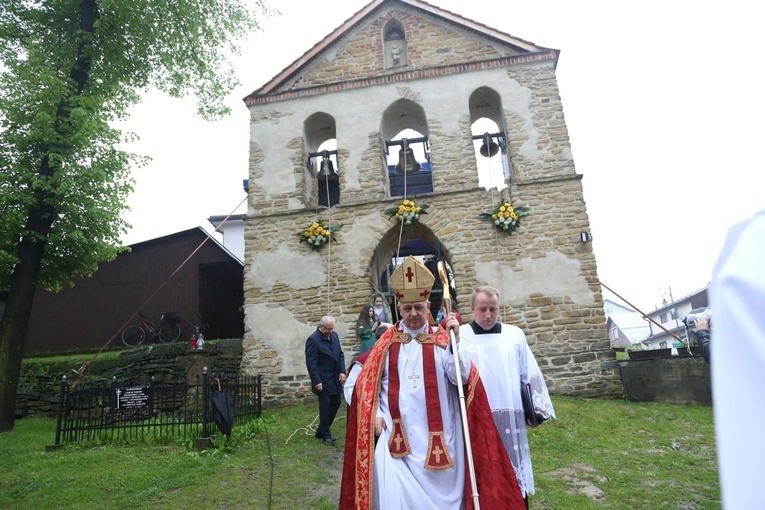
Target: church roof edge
[287,73]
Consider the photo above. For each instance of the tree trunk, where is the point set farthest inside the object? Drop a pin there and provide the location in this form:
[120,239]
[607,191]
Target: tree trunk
[13,329]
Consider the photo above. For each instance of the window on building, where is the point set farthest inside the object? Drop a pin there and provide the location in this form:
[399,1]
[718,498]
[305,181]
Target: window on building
[663,318]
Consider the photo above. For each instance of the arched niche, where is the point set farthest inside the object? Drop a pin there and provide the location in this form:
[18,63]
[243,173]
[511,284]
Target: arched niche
[394,44]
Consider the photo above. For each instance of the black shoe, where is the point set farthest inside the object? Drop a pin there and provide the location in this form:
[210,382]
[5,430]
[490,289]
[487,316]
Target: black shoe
[329,441]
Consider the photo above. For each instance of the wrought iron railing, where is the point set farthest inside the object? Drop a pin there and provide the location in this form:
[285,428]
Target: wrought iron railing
[128,411]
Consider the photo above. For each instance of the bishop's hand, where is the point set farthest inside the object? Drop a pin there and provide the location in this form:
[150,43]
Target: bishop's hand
[452,324]
[379,425]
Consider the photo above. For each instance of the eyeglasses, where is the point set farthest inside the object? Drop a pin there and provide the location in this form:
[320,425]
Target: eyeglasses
[419,307]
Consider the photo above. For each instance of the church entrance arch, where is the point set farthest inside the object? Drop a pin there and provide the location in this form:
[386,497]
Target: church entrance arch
[418,241]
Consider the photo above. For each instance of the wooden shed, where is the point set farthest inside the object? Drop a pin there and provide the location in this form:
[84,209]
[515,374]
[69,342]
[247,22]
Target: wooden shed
[153,277]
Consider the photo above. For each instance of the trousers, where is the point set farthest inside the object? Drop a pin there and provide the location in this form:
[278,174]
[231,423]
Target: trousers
[328,406]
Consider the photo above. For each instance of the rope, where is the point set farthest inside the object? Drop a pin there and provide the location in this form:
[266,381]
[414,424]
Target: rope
[271,464]
[329,246]
[498,248]
[310,428]
[82,369]
[404,146]
[401,220]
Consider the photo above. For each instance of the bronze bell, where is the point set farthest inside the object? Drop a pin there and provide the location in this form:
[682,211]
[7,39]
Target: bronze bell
[327,170]
[406,161]
[488,148]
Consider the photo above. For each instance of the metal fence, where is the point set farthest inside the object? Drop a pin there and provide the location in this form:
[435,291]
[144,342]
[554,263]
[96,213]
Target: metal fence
[128,411]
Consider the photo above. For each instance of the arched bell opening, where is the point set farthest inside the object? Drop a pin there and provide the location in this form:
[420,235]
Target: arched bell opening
[487,128]
[322,166]
[418,241]
[404,129]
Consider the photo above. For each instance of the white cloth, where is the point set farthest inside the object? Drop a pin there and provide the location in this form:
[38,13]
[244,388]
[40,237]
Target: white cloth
[380,313]
[350,381]
[504,360]
[737,295]
[404,483]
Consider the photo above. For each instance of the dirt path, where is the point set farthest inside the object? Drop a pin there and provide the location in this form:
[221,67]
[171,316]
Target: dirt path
[331,489]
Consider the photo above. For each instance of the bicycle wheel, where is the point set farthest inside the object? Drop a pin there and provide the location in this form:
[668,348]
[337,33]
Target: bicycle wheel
[168,332]
[133,335]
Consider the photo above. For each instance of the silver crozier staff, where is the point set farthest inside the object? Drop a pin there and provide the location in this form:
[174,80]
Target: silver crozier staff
[446,281]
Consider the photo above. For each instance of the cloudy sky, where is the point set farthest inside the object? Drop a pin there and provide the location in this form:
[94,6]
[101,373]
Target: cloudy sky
[663,102]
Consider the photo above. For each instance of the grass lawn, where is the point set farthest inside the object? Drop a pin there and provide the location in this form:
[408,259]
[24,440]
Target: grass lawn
[600,453]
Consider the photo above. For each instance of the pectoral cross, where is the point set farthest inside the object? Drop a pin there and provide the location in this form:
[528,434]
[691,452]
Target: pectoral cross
[413,377]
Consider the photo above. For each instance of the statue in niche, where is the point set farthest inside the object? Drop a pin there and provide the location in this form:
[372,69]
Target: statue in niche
[395,53]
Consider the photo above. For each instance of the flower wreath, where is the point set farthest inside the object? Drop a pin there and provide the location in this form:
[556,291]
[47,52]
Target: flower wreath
[505,217]
[407,211]
[317,234]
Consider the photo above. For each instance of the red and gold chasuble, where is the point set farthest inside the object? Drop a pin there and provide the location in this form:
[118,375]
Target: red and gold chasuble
[497,485]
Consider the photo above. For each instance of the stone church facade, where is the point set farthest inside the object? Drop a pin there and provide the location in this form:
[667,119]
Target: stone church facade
[405,74]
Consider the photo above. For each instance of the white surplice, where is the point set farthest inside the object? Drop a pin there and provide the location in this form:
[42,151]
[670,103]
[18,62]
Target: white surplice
[737,298]
[503,360]
[404,483]
[350,381]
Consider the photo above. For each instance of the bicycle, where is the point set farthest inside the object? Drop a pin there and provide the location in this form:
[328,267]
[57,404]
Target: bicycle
[166,331]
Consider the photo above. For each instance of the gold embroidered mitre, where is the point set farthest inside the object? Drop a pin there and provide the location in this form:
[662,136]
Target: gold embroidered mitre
[411,281]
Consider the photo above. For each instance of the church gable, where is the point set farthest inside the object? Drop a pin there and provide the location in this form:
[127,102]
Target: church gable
[394,36]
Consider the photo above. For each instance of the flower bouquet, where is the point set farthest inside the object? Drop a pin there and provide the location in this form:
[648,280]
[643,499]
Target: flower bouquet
[407,211]
[318,234]
[505,217]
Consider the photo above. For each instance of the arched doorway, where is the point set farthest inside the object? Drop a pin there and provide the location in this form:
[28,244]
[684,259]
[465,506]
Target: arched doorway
[418,241]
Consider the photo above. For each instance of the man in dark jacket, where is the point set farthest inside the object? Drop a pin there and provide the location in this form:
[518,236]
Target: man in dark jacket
[703,336]
[698,330]
[325,362]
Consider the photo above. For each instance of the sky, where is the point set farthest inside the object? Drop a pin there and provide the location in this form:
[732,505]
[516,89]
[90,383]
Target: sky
[663,101]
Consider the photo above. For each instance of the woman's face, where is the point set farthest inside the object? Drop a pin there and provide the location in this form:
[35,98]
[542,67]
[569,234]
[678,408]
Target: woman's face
[378,301]
[371,312]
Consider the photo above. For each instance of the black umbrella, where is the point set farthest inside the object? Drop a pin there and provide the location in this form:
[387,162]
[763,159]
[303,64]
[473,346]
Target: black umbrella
[223,409]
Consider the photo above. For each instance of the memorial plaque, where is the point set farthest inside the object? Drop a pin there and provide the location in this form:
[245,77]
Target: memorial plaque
[134,397]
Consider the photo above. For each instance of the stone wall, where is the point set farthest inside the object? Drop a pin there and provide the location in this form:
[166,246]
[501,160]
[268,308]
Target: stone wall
[547,277]
[672,380]
[429,43]
[40,381]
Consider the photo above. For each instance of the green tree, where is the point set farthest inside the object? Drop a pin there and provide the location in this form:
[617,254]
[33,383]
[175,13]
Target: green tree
[67,69]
